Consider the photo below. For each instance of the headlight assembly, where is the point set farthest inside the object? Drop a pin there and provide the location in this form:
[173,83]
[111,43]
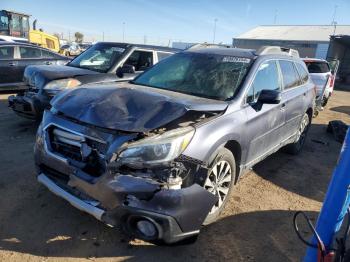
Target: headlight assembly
[61,84]
[158,148]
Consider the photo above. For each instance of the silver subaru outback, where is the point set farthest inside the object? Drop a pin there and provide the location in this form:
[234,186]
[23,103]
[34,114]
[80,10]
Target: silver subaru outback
[161,155]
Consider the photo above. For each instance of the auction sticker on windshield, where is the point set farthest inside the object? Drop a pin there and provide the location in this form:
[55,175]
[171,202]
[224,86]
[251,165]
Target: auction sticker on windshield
[234,59]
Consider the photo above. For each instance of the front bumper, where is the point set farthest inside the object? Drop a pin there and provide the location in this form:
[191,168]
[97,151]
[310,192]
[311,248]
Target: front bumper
[29,105]
[124,199]
[175,215]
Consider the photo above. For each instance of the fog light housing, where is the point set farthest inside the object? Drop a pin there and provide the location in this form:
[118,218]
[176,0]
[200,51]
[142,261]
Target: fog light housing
[143,227]
[146,228]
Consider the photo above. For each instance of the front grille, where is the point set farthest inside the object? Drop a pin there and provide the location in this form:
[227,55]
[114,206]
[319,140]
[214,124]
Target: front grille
[86,153]
[67,144]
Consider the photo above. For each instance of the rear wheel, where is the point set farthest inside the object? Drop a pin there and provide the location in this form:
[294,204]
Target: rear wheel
[324,101]
[220,181]
[296,147]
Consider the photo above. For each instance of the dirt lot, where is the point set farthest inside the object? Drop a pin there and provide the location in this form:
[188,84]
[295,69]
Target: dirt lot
[35,225]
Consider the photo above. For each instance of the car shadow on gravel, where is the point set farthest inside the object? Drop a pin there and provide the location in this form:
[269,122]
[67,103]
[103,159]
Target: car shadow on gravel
[308,173]
[341,109]
[253,236]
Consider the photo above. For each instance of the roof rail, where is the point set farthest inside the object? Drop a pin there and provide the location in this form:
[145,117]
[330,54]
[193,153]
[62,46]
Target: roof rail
[207,45]
[277,50]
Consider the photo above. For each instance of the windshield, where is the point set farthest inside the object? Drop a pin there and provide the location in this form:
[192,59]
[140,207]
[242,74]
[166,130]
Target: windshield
[317,67]
[204,75]
[100,57]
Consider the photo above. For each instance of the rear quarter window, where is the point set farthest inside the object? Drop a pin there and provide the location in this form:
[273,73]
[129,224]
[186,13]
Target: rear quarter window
[162,55]
[317,67]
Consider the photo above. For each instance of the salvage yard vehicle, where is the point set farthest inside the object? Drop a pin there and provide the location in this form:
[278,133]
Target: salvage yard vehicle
[15,56]
[103,62]
[161,154]
[322,76]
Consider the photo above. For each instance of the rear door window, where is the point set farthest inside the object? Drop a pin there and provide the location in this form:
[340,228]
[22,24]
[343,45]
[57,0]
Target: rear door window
[317,67]
[141,60]
[47,54]
[289,74]
[267,78]
[29,52]
[6,52]
[304,75]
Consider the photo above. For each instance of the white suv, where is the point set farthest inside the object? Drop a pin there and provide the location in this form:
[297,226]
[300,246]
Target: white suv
[322,77]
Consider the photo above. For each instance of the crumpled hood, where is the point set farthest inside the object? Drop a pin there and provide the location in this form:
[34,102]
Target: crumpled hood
[39,76]
[128,107]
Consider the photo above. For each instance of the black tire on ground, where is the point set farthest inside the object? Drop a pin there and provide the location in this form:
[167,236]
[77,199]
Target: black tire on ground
[297,146]
[324,101]
[223,184]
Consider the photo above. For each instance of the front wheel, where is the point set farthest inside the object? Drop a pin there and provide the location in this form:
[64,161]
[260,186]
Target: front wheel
[304,126]
[220,181]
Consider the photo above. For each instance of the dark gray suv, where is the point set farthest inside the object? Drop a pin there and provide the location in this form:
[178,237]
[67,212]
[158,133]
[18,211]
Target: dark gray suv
[162,153]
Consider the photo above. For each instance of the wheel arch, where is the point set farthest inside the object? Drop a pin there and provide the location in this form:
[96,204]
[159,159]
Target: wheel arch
[235,148]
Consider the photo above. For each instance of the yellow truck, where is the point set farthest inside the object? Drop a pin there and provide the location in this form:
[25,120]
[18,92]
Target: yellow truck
[16,24]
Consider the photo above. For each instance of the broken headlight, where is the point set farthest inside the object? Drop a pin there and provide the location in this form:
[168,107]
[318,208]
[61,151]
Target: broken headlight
[158,148]
[55,86]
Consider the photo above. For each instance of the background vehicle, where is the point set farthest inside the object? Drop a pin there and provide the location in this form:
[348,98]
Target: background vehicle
[72,49]
[103,62]
[322,76]
[84,46]
[17,25]
[162,153]
[14,57]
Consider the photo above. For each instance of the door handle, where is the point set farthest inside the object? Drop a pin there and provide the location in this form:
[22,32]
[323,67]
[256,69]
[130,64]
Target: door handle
[12,63]
[48,63]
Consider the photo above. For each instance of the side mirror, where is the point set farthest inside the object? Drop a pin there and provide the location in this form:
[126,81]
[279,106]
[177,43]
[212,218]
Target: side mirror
[269,96]
[128,69]
[125,69]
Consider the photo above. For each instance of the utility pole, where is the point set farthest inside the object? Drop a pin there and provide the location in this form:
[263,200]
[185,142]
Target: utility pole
[123,32]
[275,18]
[334,14]
[215,20]
[103,36]
[144,39]
[334,23]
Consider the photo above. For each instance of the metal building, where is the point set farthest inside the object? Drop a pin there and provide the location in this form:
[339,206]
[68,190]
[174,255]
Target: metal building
[309,40]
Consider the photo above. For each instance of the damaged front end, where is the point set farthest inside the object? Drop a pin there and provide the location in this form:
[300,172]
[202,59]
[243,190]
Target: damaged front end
[140,180]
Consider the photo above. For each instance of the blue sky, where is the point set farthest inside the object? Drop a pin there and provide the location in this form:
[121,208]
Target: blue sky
[161,22]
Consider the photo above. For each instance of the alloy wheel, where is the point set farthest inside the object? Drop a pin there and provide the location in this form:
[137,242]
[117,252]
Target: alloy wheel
[218,182]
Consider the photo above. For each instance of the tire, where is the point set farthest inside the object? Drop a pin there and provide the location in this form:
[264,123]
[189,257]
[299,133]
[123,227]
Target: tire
[224,164]
[324,101]
[304,126]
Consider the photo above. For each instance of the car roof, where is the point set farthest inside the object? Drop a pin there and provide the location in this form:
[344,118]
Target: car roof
[158,48]
[17,43]
[240,52]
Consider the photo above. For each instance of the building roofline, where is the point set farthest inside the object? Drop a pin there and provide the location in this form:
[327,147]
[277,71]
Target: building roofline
[273,39]
[301,25]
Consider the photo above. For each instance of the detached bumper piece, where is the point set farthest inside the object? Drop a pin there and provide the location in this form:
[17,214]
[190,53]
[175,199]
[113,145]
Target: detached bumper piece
[26,105]
[169,216]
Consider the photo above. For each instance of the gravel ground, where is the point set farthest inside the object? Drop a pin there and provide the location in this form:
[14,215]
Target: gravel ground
[35,225]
